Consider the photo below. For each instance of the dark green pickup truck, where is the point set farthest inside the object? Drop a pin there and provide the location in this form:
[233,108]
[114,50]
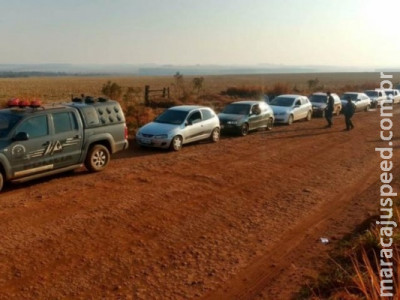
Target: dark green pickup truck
[37,141]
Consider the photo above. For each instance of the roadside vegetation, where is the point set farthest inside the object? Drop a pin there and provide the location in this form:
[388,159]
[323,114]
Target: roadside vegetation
[353,270]
[213,91]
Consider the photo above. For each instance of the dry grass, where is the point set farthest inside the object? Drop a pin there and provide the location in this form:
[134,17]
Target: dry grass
[61,88]
[354,272]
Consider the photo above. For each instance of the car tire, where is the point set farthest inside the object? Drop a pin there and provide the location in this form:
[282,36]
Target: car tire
[215,135]
[1,181]
[270,124]
[309,116]
[97,158]
[176,143]
[244,129]
[290,120]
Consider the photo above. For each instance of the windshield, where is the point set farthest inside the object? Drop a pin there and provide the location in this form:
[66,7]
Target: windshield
[237,109]
[282,101]
[171,116]
[319,99]
[7,122]
[389,92]
[372,93]
[347,95]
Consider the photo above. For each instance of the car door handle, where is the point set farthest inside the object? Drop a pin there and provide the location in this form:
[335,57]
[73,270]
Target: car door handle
[77,136]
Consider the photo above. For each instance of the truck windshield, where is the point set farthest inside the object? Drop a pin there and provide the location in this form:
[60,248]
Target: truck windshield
[171,116]
[7,122]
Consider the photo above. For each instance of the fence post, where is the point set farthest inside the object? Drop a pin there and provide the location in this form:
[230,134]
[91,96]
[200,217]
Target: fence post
[146,95]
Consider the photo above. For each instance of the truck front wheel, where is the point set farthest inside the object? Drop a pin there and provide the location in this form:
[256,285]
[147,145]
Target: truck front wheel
[97,158]
[1,180]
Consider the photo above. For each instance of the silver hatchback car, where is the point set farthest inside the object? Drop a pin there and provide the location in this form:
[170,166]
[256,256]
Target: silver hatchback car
[180,125]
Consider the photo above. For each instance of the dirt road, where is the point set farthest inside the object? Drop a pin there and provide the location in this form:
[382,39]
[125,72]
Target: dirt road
[237,219]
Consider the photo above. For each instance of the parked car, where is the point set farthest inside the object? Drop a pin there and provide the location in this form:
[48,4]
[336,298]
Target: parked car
[360,100]
[319,103]
[180,125]
[393,95]
[38,141]
[290,108]
[377,97]
[243,116]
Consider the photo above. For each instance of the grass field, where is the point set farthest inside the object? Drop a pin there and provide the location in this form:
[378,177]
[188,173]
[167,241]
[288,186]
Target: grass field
[61,88]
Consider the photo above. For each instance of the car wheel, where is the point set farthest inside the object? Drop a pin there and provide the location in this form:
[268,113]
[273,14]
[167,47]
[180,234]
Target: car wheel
[176,143]
[97,158]
[244,129]
[367,108]
[270,124]
[290,120]
[215,134]
[309,116]
[1,180]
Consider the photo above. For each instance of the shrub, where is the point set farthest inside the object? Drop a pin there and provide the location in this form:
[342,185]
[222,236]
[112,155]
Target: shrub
[243,92]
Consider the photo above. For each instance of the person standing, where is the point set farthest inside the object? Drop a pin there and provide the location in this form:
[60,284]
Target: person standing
[329,109]
[348,112]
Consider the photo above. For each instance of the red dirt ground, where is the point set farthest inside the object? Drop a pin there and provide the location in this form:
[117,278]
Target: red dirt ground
[240,219]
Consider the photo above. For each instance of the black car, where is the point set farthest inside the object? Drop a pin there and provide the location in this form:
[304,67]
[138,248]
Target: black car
[319,103]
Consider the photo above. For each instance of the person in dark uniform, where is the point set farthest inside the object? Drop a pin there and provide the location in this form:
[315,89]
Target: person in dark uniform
[348,112]
[329,109]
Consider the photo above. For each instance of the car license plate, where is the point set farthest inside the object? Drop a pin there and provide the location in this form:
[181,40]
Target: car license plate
[146,141]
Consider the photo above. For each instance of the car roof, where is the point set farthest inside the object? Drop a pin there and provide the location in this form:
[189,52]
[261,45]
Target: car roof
[187,107]
[322,94]
[248,102]
[291,96]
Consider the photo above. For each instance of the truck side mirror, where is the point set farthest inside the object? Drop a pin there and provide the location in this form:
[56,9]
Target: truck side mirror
[21,136]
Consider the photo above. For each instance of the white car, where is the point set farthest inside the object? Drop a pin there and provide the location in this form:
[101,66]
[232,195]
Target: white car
[360,100]
[290,108]
[377,97]
[393,95]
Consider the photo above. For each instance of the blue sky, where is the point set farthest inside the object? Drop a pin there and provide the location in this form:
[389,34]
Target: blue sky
[292,32]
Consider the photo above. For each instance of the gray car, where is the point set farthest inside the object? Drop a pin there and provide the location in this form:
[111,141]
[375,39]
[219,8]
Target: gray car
[180,125]
[290,108]
[243,116]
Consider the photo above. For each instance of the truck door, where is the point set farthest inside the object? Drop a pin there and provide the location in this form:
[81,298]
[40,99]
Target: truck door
[27,155]
[66,144]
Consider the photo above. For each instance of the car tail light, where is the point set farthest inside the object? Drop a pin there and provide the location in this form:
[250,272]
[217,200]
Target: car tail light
[126,132]
[13,102]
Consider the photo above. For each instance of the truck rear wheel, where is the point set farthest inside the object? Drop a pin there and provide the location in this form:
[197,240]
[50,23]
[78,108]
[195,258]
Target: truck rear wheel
[97,158]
